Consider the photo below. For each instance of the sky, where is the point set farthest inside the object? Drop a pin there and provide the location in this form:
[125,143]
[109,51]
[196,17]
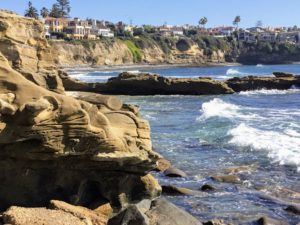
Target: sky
[176,12]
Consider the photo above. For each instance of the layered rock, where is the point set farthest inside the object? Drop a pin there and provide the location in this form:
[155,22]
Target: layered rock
[55,147]
[23,44]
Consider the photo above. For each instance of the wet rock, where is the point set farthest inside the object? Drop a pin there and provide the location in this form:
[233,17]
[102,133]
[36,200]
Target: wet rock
[173,190]
[269,221]
[164,212]
[256,83]
[283,74]
[152,84]
[207,187]
[239,169]
[162,165]
[79,212]
[215,222]
[174,172]
[227,179]
[131,215]
[293,209]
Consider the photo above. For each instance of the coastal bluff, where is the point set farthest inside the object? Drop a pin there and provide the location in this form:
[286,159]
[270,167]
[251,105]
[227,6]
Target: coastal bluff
[53,146]
[153,84]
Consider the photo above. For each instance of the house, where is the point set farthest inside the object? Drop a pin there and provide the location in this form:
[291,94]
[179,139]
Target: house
[52,25]
[291,37]
[247,36]
[226,31]
[99,28]
[165,31]
[267,36]
[177,31]
[79,29]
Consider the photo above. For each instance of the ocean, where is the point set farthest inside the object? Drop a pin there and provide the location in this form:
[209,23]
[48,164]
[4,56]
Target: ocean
[206,135]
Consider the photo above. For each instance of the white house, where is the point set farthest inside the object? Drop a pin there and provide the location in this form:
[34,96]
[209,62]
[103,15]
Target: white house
[100,29]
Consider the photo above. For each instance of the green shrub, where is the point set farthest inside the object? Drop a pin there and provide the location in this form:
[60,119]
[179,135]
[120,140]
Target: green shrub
[135,51]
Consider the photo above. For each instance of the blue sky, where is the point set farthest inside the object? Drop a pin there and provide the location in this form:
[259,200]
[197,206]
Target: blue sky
[218,12]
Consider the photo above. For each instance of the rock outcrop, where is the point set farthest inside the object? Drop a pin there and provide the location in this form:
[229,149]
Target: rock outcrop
[153,84]
[23,44]
[257,83]
[55,147]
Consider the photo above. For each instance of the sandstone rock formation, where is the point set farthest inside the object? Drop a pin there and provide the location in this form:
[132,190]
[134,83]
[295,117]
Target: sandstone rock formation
[55,147]
[23,44]
[60,213]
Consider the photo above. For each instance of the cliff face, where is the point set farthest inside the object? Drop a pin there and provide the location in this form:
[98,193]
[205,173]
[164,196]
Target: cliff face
[23,45]
[117,52]
[53,146]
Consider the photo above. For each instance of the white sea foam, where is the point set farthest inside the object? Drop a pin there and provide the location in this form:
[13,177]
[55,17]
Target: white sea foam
[270,92]
[259,65]
[219,108]
[233,72]
[281,147]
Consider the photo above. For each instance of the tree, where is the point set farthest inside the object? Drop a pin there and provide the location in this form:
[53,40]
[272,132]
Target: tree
[31,11]
[203,21]
[236,21]
[259,23]
[44,12]
[55,11]
[64,8]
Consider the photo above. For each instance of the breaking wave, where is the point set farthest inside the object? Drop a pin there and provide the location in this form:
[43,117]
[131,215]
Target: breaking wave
[233,72]
[282,148]
[270,92]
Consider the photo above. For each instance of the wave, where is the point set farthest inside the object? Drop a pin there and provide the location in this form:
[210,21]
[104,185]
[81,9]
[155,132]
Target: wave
[282,148]
[233,72]
[259,65]
[270,92]
[219,108]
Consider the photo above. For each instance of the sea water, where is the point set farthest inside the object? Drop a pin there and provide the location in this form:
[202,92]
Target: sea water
[205,135]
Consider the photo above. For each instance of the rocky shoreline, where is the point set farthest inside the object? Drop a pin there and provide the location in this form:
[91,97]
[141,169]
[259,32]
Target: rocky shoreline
[86,158]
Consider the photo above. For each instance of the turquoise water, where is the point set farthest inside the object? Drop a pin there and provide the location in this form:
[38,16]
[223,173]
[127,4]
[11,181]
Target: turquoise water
[204,135]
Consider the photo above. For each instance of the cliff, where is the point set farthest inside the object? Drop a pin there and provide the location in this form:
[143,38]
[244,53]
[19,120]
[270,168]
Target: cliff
[53,146]
[136,50]
[23,45]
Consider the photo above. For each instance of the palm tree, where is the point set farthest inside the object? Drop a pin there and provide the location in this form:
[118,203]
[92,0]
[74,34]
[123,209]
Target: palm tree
[31,11]
[236,21]
[203,21]
[44,12]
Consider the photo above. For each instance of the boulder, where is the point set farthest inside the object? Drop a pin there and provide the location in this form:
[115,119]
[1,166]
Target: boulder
[105,209]
[131,215]
[79,212]
[227,179]
[162,165]
[173,190]
[53,146]
[269,221]
[293,209]
[38,216]
[207,187]
[164,212]
[174,172]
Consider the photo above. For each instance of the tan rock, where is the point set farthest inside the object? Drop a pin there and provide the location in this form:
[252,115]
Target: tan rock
[105,209]
[80,212]
[38,216]
[227,179]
